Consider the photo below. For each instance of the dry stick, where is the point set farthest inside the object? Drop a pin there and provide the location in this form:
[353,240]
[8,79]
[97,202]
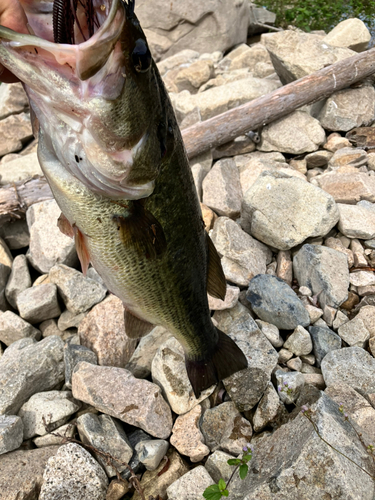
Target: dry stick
[17,197]
[257,113]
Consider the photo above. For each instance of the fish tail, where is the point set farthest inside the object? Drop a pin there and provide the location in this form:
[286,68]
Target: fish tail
[226,359]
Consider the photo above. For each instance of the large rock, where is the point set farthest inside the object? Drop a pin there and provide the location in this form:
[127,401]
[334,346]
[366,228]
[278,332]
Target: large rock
[169,372]
[116,392]
[243,257]
[347,187]
[48,245]
[191,485]
[349,108]
[325,272]
[18,281]
[13,99]
[20,168]
[172,27]
[13,328]
[73,473]
[295,54]
[353,366]
[356,221]
[295,133]
[283,211]
[28,367]
[15,131]
[38,303]
[187,437]
[275,302]
[21,473]
[11,433]
[351,33]
[290,472]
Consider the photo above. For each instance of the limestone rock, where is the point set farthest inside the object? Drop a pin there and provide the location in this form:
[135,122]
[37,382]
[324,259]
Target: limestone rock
[169,372]
[222,189]
[45,411]
[151,452]
[73,473]
[11,433]
[13,328]
[231,299]
[20,168]
[299,342]
[187,437]
[324,271]
[275,302]
[224,428]
[271,332]
[63,432]
[295,133]
[295,54]
[243,257]
[283,211]
[26,368]
[218,467]
[289,386]
[347,187]
[356,221]
[18,281]
[357,331]
[15,131]
[190,485]
[48,248]
[38,303]
[269,411]
[351,33]
[116,392]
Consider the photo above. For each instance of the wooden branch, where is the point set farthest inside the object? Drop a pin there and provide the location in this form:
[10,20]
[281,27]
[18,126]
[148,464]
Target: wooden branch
[16,198]
[257,113]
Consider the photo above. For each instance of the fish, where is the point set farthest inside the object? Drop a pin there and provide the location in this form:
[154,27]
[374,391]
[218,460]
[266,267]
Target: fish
[112,152]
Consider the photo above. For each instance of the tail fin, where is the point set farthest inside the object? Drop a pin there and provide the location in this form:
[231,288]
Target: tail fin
[226,360]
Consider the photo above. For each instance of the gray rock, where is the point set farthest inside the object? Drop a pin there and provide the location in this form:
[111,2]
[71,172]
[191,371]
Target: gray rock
[73,354]
[324,341]
[282,211]
[357,332]
[152,452]
[289,385]
[243,257]
[351,33]
[318,159]
[15,234]
[15,131]
[103,331]
[289,471]
[45,411]
[141,360]
[106,434]
[295,133]
[270,411]
[38,303]
[51,247]
[191,485]
[284,356]
[169,372]
[79,293]
[58,437]
[169,30]
[187,437]
[217,465]
[224,428]
[351,365]
[69,320]
[295,364]
[18,281]
[116,392]
[222,189]
[49,327]
[21,473]
[348,108]
[135,438]
[299,342]
[356,221]
[325,272]
[271,332]
[13,328]
[26,368]
[11,433]
[20,169]
[73,473]
[275,302]
[13,99]
[295,54]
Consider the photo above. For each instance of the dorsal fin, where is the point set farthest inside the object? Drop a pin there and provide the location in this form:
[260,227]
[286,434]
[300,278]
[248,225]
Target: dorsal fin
[216,283]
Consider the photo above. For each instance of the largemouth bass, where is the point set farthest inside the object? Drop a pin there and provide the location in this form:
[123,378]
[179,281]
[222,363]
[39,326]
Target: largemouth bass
[112,152]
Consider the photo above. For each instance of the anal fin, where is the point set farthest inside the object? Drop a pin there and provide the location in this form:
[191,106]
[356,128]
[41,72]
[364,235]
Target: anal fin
[134,326]
[216,283]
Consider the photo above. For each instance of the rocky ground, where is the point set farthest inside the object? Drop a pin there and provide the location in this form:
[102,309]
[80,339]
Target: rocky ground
[293,218]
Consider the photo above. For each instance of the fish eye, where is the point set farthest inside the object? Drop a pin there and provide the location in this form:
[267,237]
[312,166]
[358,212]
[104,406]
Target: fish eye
[141,56]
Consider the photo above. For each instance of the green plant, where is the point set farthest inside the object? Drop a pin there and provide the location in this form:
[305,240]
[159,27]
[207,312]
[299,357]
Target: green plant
[216,491]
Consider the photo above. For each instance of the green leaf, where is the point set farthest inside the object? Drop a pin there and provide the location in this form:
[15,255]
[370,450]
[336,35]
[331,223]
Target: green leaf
[221,484]
[225,493]
[212,492]
[234,461]
[244,469]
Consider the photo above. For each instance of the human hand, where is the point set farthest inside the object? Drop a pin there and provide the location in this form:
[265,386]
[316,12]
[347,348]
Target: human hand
[12,16]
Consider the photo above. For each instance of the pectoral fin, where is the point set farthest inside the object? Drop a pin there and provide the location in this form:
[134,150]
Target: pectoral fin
[64,225]
[142,231]
[216,283]
[134,326]
[82,251]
